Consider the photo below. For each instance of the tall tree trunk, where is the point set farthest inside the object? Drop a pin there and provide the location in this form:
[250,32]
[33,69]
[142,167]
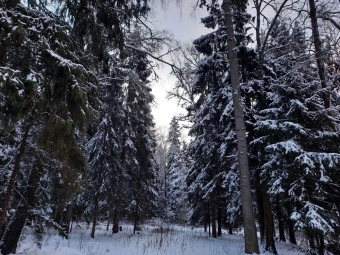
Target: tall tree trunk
[13,231]
[250,235]
[115,227]
[310,240]
[208,219]
[321,244]
[10,186]
[219,221]
[213,218]
[68,217]
[318,53]
[108,224]
[265,217]
[209,226]
[230,228]
[95,215]
[58,215]
[290,223]
[268,224]
[259,203]
[135,224]
[280,221]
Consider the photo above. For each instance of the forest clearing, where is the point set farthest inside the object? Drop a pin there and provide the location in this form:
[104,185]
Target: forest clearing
[150,240]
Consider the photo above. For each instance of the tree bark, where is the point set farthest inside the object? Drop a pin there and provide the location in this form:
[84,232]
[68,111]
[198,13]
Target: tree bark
[208,220]
[318,53]
[280,221]
[68,217]
[108,221]
[213,219]
[115,227]
[219,221]
[259,203]
[265,217]
[268,224]
[12,3]
[13,231]
[230,228]
[250,235]
[135,224]
[290,223]
[321,244]
[95,214]
[10,187]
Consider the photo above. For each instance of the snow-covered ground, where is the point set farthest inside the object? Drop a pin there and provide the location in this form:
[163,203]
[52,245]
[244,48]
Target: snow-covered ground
[150,240]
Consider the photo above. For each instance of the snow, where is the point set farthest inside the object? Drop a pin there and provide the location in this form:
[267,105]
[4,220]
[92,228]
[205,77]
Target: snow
[289,146]
[149,241]
[65,62]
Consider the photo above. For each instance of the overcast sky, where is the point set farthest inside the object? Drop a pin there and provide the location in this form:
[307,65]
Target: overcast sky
[185,27]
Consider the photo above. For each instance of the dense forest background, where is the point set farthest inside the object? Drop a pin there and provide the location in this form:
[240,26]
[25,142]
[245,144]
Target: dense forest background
[78,141]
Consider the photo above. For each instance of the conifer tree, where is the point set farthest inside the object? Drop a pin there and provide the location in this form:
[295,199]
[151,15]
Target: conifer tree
[49,95]
[298,136]
[176,169]
[140,163]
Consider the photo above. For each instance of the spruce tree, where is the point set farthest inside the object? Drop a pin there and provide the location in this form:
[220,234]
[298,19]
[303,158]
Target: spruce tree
[47,96]
[299,136]
[176,169]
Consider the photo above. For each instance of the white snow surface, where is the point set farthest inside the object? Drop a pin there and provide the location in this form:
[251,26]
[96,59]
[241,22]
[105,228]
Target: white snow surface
[174,240]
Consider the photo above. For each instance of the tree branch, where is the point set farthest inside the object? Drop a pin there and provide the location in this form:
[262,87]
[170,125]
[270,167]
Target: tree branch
[158,58]
[326,17]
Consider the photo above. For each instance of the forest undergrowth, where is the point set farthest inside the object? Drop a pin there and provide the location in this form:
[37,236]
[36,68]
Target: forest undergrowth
[150,240]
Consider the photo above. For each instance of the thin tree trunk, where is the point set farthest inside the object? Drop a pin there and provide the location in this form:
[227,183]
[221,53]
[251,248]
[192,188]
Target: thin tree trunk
[209,226]
[13,231]
[71,227]
[10,187]
[259,203]
[290,223]
[250,235]
[265,218]
[115,227]
[95,214]
[291,232]
[213,219]
[262,46]
[219,221]
[59,213]
[230,228]
[135,219]
[68,217]
[268,224]
[318,53]
[108,222]
[280,221]
[311,240]
[321,244]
